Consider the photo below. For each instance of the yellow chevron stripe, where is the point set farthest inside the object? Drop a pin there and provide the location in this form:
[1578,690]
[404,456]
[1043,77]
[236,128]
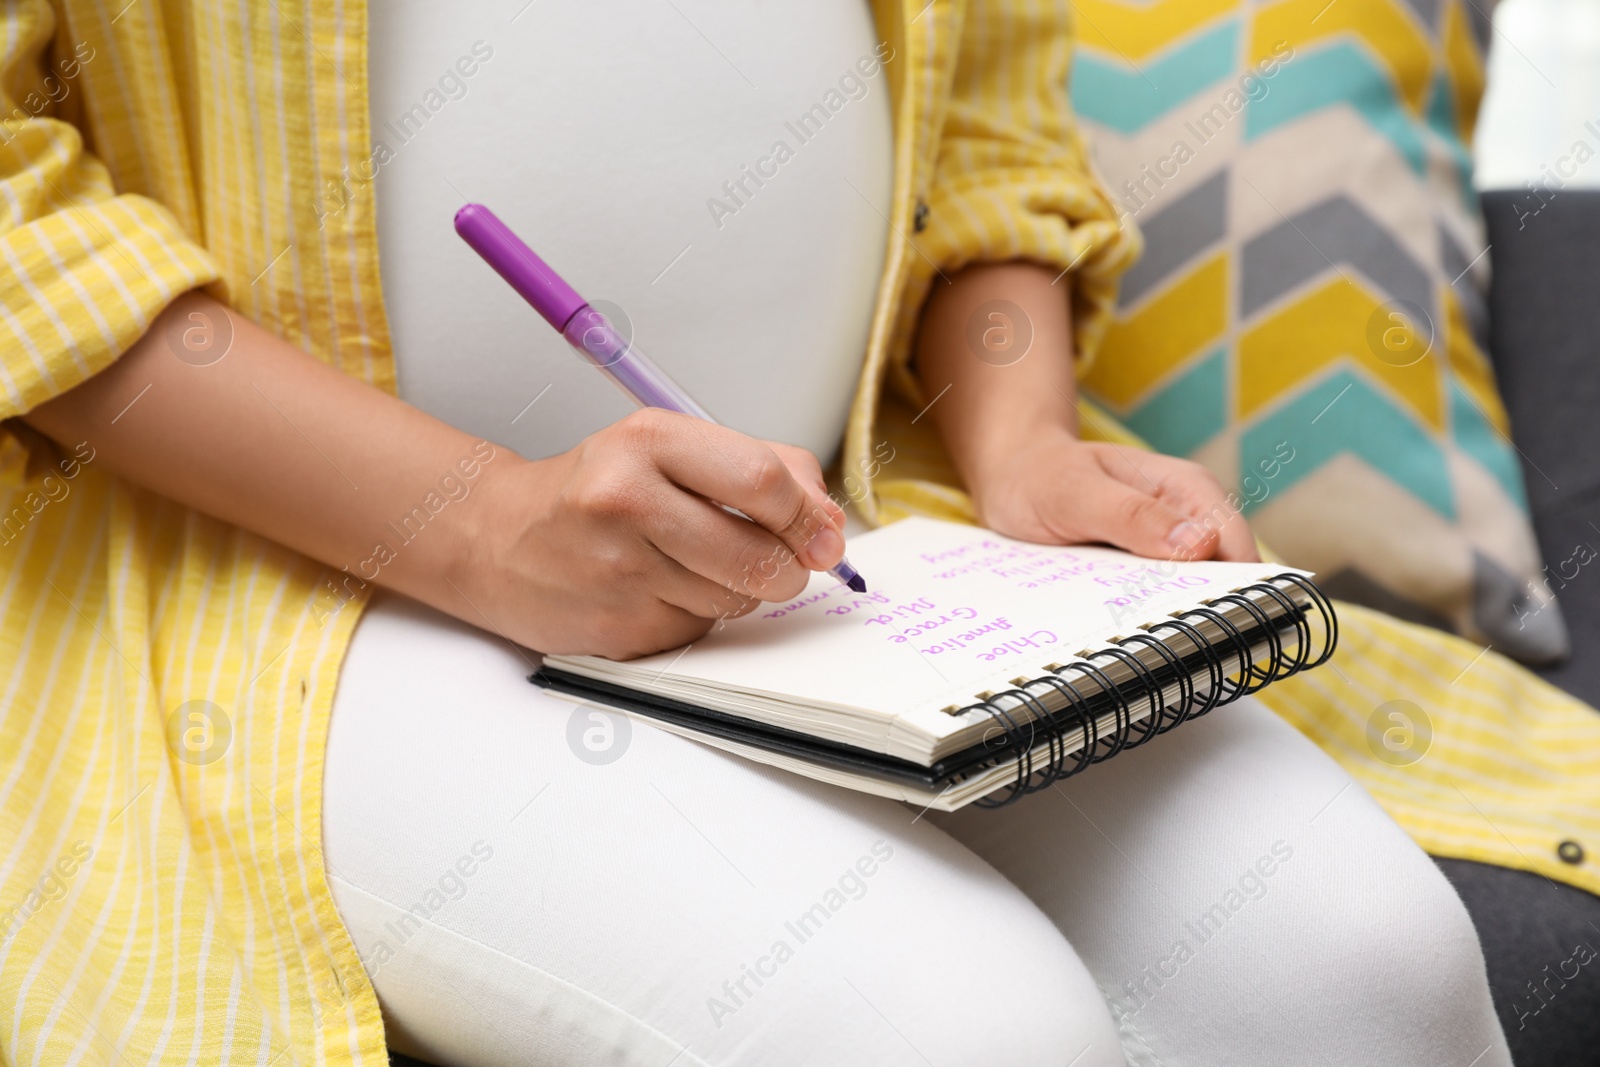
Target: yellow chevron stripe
[1136,31]
[1143,348]
[1465,64]
[1390,31]
[1323,328]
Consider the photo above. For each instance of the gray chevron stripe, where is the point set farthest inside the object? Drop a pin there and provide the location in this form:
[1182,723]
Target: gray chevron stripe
[1478,18]
[1499,600]
[1455,260]
[1479,13]
[1336,230]
[1176,234]
[1428,14]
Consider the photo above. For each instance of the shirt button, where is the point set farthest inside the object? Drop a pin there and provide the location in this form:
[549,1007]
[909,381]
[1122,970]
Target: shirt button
[919,218]
[1570,852]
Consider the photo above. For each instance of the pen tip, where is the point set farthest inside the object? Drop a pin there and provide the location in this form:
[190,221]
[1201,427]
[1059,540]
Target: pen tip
[857,583]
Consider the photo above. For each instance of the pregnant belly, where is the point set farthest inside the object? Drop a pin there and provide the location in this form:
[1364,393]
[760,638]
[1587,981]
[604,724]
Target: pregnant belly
[718,176]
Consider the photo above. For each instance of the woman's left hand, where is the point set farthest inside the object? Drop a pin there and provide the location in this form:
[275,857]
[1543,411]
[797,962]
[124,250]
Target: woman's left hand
[1055,489]
[1007,421]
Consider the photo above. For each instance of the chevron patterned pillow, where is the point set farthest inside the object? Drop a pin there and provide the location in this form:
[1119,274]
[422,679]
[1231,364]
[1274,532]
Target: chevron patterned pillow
[1312,288]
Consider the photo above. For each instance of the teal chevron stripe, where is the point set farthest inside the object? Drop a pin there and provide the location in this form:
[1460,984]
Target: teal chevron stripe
[1362,421]
[1188,411]
[1106,91]
[1442,120]
[1474,436]
[1339,74]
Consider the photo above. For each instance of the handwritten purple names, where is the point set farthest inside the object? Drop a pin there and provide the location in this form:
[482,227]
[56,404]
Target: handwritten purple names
[1146,583]
[832,595]
[936,629]
[1026,566]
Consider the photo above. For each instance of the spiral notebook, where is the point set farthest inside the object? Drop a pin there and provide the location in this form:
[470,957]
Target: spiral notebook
[976,668]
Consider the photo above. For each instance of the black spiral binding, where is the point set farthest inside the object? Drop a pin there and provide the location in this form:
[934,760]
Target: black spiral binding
[1232,668]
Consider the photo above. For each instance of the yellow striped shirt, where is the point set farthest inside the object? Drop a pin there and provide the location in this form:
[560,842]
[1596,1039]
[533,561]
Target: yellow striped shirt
[155,906]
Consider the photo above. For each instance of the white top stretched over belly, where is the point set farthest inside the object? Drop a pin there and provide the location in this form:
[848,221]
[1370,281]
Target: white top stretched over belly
[721,172]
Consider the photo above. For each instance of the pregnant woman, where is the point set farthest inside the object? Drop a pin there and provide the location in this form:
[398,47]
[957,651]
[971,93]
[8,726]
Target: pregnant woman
[266,658]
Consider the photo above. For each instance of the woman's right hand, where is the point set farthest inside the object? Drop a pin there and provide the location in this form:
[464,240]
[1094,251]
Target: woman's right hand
[612,548]
[616,549]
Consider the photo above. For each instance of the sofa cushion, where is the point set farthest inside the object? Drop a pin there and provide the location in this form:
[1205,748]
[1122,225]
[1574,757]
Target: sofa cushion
[1313,287]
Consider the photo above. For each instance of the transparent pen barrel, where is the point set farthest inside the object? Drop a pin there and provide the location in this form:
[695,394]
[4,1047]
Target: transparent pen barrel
[592,334]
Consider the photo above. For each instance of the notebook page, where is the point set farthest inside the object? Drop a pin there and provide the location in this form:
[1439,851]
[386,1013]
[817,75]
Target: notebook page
[951,610]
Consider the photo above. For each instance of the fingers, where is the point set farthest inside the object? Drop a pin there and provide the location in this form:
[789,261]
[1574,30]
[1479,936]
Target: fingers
[1195,491]
[647,628]
[726,466]
[1112,511]
[808,472]
[734,555]
[661,605]
[1238,543]
[1191,490]
[652,603]
[700,597]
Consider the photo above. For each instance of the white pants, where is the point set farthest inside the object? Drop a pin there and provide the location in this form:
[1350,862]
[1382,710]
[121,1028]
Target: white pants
[530,881]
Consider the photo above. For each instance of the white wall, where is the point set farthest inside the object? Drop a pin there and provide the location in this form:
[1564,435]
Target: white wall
[1544,86]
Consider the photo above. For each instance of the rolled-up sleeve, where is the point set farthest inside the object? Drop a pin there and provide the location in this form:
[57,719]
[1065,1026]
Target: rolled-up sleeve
[83,270]
[1012,178]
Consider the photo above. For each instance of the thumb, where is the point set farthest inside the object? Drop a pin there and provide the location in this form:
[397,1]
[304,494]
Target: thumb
[803,465]
[1118,514]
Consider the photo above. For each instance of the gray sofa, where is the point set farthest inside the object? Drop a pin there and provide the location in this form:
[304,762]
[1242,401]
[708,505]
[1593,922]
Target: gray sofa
[1544,336]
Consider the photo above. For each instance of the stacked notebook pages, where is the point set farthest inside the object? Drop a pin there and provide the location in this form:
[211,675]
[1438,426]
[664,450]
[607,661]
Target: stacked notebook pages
[976,669]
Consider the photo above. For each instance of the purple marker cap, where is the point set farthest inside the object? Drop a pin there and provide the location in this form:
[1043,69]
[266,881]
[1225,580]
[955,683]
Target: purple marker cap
[516,263]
